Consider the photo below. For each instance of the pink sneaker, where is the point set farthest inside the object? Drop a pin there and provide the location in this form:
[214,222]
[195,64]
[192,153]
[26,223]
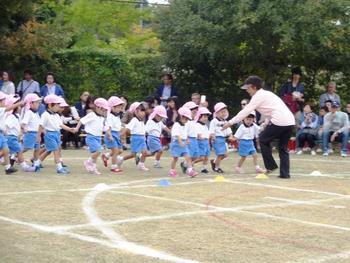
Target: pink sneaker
[89,166]
[173,173]
[260,170]
[239,170]
[95,172]
[192,173]
[142,167]
[104,159]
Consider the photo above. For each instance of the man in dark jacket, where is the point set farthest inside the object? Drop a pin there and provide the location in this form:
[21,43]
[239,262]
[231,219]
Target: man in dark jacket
[166,90]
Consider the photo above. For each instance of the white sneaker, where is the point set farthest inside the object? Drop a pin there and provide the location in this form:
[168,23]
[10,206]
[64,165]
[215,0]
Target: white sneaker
[157,165]
[313,152]
[344,155]
[299,152]
[120,161]
[325,154]
[142,167]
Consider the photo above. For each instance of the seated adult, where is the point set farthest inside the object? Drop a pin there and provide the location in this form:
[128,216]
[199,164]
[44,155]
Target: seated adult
[335,127]
[7,86]
[330,95]
[308,125]
[51,87]
[167,89]
[27,85]
[81,104]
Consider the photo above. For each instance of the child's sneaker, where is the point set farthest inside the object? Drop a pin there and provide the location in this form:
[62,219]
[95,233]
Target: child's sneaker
[142,167]
[96,172]
[183,167]
[89,165]
[204,171]
[120,161]
[173,173]
[219,170]
[313,153]
[10,170]
[62,171]
[157,165]
[259,170]
[30,169]
[192,173]
[104,159]
[116,170]
[239,170]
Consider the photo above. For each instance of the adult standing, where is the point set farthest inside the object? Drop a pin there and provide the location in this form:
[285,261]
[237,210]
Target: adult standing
[167,89]
[7,86]
[81,104]
[51,87]
[28,85]
[330,95]
[280,126]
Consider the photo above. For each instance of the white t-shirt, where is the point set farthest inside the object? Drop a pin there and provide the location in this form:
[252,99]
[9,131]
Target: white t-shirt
[179,130]
[2,119]
[12,125]
[93,123]
[51,121]
[136,127]
[215,128]
[113,122]
[31,120]
[192,129]
[247,133]
[203,130]
[154,128]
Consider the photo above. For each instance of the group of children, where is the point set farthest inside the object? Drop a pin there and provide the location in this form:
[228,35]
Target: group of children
[192,134]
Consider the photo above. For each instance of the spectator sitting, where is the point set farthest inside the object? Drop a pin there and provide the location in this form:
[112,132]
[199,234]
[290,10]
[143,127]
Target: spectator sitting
[81,105]
[51,87]
[70,118]
[330,95]
[27,85]
[308,129]
[7,86]
[336,127]
[166,90]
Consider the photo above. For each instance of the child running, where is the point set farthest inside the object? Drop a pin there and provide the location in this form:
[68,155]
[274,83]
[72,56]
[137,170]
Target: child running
[203,137]
[136,127]
[94,123]
[245,134]
[219,136]
[179,141]
[112,135]
[154,128]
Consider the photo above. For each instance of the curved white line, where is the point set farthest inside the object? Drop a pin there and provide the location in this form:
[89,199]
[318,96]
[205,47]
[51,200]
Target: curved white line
[119,241]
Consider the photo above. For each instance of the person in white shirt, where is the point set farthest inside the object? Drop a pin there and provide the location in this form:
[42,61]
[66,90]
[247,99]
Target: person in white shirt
[245,134]
[94,123]
[201,120]
[179,142]
[281,124]
[51,125]
[7,87]
[136,127]
[27,85]
[30,124]
[154,128]
[13,131]
[218,136]
[112,136]
[4,149]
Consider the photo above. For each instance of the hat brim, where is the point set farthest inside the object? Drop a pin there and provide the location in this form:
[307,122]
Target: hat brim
[245,86]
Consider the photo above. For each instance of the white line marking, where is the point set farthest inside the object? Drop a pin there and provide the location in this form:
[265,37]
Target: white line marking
[120,242]
[338,256]
[316,202]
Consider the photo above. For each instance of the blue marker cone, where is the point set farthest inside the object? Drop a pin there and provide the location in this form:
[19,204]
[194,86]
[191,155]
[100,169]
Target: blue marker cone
[164,182]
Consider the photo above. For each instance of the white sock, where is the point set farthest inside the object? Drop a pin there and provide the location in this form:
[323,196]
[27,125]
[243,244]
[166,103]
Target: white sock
[24,165]
[7,166]
[61,160]
[114,166]
[204,167]
[37,162]
[257,166]
[157,162]
[91,160]
[59,166]
[141,164]
[108,155]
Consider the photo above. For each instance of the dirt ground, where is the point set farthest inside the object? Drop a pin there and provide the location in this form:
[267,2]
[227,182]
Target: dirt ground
[131,217]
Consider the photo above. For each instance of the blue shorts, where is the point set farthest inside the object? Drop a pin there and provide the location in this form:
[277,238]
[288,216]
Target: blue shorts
[219,146]
[3,142]
[13,144]
[94,143]
[115,143]
[52,141]
[204,147]
[193,147]
[137,143]
[176,150]
[246,147]
[29,141]
[154,144]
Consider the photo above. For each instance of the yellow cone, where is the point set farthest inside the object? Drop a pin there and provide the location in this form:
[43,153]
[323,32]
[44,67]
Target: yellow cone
[220,179]
[261,176]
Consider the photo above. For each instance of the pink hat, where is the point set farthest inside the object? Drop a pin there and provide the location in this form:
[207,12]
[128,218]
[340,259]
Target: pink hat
[63,103]
[29,98]
[160,111]
[134,106]
[186,112]
[201,111]
[52,98]
[114,101]
[218,107]
[190,105]
[2,95]
[101,103]
[10,100]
